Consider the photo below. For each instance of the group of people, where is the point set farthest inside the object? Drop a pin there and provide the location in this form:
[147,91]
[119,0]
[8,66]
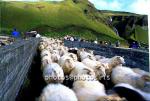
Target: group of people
[134,44]
[16,34]
[108,43]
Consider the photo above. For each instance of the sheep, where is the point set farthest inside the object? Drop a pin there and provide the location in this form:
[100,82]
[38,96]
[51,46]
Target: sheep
[81,69]
[122,74]
[87,90]
[62,51]
[53,73]
[55,57]
[66,63]
[49,48]
[141,72]
[45,60]
[98,67]
[98,57]
[41,47]
[112,63]
[45,53]
[57,92]
[82,54]
[109,60]
[73,56]
[44,43]
[131,93]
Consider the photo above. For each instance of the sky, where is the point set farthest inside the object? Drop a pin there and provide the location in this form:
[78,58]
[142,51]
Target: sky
[135,6]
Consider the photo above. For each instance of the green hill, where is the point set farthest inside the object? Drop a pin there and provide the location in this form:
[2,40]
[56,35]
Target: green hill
[129,25]
[76,17]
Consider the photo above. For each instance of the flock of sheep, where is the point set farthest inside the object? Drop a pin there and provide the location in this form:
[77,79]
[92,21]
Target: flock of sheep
[86,70]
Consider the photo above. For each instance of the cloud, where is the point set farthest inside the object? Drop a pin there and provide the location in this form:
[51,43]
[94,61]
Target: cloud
[105,4]
[136,6]
[140,6]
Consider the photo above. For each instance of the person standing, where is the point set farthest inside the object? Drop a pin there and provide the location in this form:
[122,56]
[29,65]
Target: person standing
[15,33]
[118,43]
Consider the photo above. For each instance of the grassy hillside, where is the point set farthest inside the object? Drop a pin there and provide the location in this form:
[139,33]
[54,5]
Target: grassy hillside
[56,17]
[129,25]
[118,13]
[141,35]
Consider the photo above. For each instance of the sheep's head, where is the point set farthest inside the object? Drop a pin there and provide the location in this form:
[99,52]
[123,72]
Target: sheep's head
[55,57]
[117,60]
[45,52]
[100,70]
[68,66]
[73,56]
[41,47]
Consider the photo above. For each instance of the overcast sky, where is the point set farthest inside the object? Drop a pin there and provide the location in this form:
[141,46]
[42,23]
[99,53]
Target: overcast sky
[136,6]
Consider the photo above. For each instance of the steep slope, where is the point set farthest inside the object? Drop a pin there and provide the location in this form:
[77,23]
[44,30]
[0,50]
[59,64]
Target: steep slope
[129,25]
[50,18]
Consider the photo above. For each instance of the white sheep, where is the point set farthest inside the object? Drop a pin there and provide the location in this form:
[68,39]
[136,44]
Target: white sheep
[55,57]
[141,72]
[66,63]
[53,73]
[62,50]
[98,57]
[82,54]
[81,69]
[41,47]
[98,67]
[45,60]
[87,90]
[131,93]
[57,92]
[122,74]
[73,56]
[49,48]
[112,63]
[45,52]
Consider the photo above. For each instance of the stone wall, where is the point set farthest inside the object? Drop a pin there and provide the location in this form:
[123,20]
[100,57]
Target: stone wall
[134,58]
[15,61]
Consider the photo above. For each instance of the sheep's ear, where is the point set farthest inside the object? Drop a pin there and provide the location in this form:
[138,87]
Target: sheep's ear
[146,77]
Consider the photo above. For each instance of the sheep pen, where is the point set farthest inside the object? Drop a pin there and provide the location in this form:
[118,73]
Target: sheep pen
[82,73]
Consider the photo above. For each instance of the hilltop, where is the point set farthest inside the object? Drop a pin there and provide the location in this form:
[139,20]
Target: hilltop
[76,17]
